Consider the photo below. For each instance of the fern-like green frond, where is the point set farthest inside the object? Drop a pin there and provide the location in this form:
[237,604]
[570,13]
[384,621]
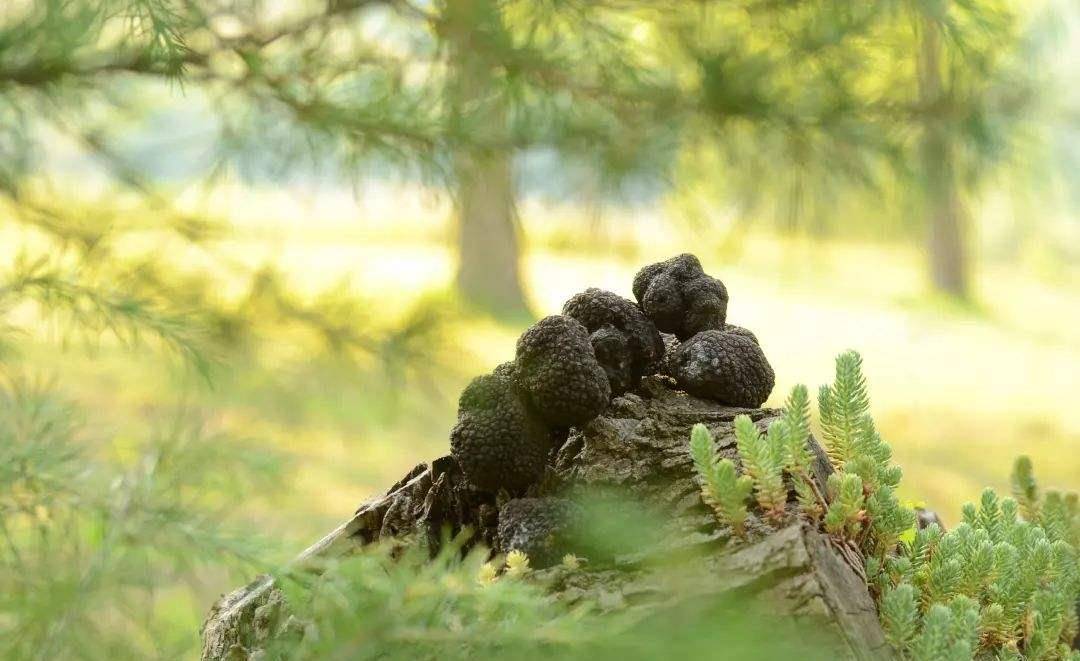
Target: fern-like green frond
[798,458]
[721,486]
[844,407]
[762,459]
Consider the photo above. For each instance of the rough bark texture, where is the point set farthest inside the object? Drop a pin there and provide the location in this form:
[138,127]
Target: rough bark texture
[640,447]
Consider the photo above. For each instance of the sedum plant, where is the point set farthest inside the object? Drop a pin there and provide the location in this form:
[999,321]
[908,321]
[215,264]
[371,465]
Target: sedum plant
[721,487]
[766,458]
[798,459]
[762,457]
[1004,584]
[1022,576]
[845,515]
[860,505]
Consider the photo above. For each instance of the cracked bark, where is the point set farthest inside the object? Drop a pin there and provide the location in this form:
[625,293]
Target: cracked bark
[639,446]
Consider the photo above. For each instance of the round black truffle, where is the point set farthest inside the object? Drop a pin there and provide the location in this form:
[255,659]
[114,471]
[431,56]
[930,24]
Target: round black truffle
[539,527]
[497,441]
[739,330]
[680,298]
[559,374]
[725,366]
[625,341]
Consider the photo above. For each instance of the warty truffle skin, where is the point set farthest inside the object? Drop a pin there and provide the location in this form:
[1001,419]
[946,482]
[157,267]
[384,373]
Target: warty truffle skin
[497,441]
[725,366]
[625,341]
[558,372]
[739,330]
[680,298]
[539,527]
[671,347]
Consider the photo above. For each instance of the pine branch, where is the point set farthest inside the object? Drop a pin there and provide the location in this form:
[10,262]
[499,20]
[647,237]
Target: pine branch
[91,310]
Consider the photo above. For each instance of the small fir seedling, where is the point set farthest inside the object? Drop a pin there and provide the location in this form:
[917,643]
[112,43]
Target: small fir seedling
[856,448]
[889,521]
[1010,585]
[796,417]
[721,487]
[1002,584]
[945,634]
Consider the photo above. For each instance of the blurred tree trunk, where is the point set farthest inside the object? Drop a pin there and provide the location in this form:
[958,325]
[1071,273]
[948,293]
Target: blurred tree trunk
[947,240]
[488,274]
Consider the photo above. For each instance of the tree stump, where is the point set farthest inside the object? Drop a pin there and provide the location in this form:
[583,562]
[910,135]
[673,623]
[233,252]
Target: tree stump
[640,447]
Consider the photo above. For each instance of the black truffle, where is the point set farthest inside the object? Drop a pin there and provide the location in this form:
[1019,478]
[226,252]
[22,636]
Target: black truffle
[507,370]
[497,441]
[559,374]
[625,341]
[680,298]
[539,527]
[726,366]
[739,330]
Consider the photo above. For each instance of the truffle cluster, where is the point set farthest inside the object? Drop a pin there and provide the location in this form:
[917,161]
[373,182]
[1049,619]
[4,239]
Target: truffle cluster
[498,441]
[567,368]
[626,342]
[707,356]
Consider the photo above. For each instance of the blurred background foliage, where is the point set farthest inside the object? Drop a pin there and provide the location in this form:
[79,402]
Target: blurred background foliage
[251,250]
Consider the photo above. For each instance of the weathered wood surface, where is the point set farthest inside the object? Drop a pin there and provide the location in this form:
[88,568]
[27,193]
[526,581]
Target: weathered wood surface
[639,446]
